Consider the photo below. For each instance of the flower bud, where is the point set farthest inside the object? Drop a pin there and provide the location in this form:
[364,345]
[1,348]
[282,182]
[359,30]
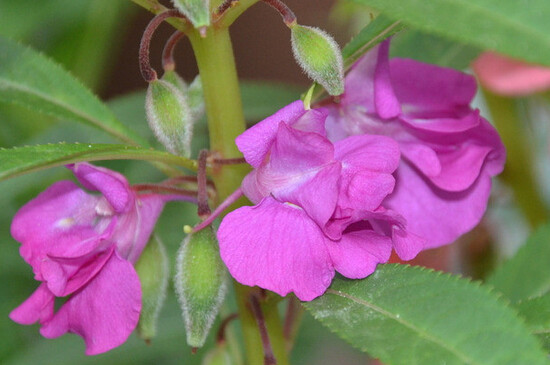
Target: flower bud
[195,98]
[319,56]
[172,77]
[197,11]
[169,117]
[152,268]
[200,283]
[218,356]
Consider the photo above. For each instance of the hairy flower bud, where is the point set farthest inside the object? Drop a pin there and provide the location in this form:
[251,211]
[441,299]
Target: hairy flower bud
[200,283]
[152,269]
[195,98]
[319,56]
[197,11]
[169,117]
[172,77]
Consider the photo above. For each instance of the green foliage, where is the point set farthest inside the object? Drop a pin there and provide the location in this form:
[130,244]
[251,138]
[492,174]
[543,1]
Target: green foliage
[21,160]
[410,315]
[197,11]
[536,312]
[527,274]
[30,79]
[433,49]
[375,32]
[517,28]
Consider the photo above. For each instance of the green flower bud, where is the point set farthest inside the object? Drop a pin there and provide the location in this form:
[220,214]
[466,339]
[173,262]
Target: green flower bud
[172,77]
[169,117]
[200,283]
[152,269]
[195,98]
[218,356]
[197,11]
[319,56]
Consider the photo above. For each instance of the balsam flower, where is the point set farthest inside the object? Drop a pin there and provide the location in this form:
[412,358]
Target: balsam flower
[449,152]
[83,247]
[317,206]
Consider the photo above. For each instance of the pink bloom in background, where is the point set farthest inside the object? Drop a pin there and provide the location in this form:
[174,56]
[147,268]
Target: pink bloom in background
[84,246]
[401,162]
[507,76]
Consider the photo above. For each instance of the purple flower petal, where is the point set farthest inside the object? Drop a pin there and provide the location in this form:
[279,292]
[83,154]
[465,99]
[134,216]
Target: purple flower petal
[37,308]
[438,216]
[357,253]
[407,245]
[256,141]
[111,184]
[105,312]
[387,105]
[277,247]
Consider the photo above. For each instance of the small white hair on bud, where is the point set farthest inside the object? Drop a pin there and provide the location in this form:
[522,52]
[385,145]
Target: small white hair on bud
[319,56]
[169,117]
[197,11]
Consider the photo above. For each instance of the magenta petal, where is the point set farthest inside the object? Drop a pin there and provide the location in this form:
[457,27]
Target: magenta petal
[105,312]
[430,87]
[357,253]
[422,156]
[256,141]
[407,245]
[374,153]
[111,184]
[60,214]
[277,247]
[365,190]
[387,105]
[434,214]
[37,308]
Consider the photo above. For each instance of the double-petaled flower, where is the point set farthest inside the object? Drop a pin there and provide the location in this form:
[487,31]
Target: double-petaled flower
[82,247]
[400,162]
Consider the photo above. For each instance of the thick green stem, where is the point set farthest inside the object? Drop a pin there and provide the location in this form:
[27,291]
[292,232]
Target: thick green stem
[518,172]
[216,64]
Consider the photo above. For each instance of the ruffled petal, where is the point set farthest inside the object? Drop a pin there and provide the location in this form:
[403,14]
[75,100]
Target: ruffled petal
[369,152]
[387,105]
[111,184]
[37,308]
[357,253]
[277,247]
[105,312]
[438,216]
[256,141]
[407,245]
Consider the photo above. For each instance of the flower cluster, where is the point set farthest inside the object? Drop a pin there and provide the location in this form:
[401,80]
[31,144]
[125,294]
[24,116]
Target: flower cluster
[400,162]
[83,247]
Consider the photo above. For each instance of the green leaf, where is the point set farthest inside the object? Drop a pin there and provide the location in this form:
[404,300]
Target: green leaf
[411,315]
[30,79]
[527,274]
[21,160]
[433,49]
[517,28]
[536,312]
[375,32]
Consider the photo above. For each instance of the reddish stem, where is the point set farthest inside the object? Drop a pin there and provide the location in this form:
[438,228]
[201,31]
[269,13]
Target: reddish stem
[220,336]
[168,63]
[148,73]
[269,358]
[223,206]
[288,15]
[229,161]
[202,196]
[226,5]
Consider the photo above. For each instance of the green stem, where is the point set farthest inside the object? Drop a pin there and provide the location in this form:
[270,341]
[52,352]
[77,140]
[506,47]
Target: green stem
[518,172]
[215,60]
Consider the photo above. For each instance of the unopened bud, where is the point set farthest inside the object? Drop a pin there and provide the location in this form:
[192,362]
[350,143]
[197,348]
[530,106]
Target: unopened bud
[172,77]
[319,56]
[197,11]
[169,117]
[218,356]
[195,98]
[152,269]
[200,283]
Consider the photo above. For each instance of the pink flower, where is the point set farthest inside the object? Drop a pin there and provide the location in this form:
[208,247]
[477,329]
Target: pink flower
[507,76]
[317,205]
[401,162]
[83,247]
[449,152]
